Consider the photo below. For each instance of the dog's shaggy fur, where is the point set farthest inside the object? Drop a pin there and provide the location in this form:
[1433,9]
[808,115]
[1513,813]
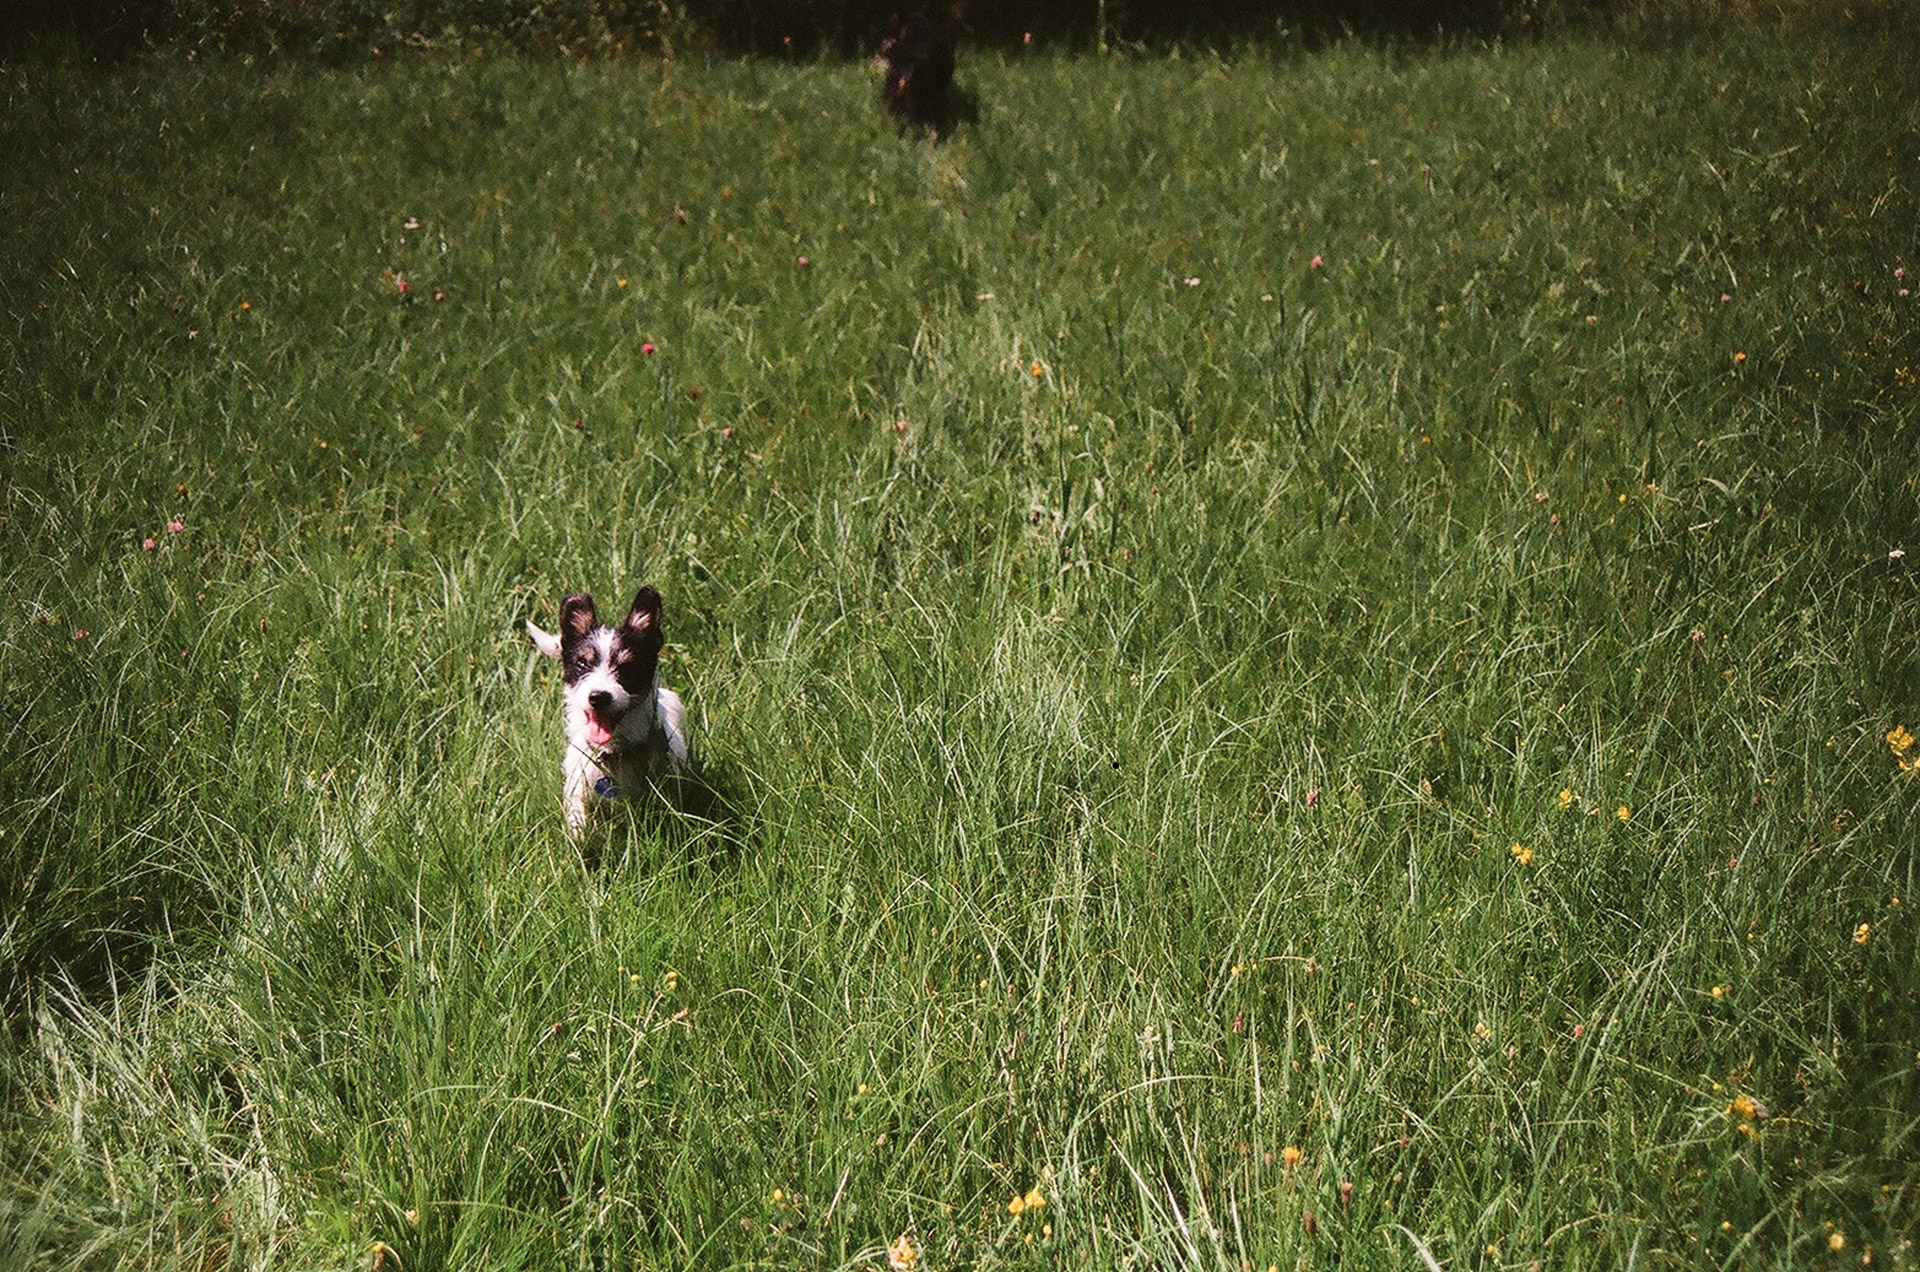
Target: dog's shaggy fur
[917,60]
[624,730]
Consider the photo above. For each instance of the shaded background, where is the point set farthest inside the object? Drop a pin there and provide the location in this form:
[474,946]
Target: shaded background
[789,27]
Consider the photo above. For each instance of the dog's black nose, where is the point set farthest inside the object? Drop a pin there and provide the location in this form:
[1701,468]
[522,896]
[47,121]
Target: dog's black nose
[600,699]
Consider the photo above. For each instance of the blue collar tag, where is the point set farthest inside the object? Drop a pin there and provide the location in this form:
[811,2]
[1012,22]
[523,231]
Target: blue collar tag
[606,788]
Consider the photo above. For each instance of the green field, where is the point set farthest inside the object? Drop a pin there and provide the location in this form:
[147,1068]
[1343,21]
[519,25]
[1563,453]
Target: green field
[1302,658]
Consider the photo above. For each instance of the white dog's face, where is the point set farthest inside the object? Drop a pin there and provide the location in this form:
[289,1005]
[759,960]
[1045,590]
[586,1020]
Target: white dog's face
[609,672]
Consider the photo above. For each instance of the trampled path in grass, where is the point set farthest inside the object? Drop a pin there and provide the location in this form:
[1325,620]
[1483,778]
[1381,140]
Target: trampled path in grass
[1303,659]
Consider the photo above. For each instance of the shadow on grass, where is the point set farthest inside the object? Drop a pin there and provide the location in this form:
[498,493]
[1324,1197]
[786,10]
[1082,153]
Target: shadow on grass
[702,819]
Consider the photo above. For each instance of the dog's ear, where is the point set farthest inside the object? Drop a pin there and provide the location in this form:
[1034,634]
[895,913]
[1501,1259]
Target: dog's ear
[547,643]
[576,616]
[643,621]
[641,641]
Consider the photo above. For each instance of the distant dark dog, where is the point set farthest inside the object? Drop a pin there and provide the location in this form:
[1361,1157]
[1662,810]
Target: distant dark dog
[918,61]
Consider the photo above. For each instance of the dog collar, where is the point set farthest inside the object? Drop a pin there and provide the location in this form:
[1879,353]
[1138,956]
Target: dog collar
[606,788]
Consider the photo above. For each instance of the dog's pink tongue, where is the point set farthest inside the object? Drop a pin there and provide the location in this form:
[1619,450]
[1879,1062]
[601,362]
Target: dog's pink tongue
[598,734]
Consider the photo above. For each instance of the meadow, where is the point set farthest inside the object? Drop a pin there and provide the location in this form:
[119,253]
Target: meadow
[1302,659]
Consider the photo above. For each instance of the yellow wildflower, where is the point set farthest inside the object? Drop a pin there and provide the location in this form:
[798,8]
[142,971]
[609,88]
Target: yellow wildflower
[1902,743]
[1017,1205]
[1622,812]
[1522,854]
[901,1256]
[1837,1242]
[1290,1155]
[1035,1199]
[1566,798]
[1862,934]
[1750,1112]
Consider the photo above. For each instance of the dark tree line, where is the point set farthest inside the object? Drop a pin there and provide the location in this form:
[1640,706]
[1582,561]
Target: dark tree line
[768,27]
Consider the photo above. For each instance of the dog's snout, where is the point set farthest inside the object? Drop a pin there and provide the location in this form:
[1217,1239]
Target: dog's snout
[600,699]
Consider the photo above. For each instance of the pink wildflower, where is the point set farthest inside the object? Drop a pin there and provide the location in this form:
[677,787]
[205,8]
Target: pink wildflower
[803,262]
[1315,263]
[647,348]
[176,526]
[146,545]
[402,286]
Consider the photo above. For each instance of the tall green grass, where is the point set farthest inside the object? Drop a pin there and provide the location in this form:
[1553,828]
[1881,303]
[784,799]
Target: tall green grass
[1297,654]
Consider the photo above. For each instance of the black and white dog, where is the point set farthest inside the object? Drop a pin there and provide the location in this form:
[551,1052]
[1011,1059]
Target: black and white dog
[917,60]
[624,730]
